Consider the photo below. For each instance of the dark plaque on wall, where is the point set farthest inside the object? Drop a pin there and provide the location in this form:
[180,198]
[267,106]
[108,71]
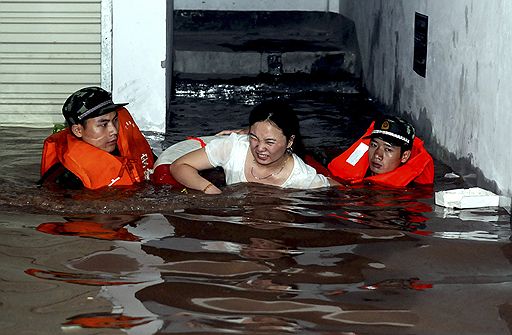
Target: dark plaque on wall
[420,44]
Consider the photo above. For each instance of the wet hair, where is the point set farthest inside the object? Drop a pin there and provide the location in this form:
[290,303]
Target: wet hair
[404,148]
[282,116]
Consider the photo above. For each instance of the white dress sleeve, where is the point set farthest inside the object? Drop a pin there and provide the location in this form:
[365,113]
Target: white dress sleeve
[304,176]
[175,151]
[229,152]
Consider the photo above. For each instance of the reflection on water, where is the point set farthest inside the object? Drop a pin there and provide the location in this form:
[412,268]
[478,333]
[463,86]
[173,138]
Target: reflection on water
[256,260]
[214,271]
[282,268]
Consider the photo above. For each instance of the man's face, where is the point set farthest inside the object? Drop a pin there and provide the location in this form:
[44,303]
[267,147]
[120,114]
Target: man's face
[385,157]
[100,131]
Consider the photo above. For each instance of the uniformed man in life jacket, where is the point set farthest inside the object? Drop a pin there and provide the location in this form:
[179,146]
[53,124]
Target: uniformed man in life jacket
[102,146]
[388,154]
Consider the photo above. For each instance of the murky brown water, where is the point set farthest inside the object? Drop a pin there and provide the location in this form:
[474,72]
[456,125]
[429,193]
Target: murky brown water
[256,260]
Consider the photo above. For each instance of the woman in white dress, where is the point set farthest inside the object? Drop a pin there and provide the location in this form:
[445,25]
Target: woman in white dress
[265,155]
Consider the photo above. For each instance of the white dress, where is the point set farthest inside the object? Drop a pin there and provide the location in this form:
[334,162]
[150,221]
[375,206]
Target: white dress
[175,151]
[230,152]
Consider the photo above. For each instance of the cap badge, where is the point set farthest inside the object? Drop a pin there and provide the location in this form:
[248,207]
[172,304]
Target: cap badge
[385,125]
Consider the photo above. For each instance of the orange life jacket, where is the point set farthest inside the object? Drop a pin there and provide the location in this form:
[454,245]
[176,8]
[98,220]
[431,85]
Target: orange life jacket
[351,166]
[97,168]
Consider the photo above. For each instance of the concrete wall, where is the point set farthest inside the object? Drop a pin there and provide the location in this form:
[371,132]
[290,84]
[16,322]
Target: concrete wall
[138,55]
[267,5]
[463,108]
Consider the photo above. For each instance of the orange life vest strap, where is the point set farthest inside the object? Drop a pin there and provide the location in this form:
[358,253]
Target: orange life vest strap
[200,140]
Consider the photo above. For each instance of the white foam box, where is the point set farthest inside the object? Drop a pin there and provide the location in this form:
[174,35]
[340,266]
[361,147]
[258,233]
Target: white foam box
[474,197]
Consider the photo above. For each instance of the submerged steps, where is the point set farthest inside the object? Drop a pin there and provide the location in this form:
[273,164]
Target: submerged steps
[230,44]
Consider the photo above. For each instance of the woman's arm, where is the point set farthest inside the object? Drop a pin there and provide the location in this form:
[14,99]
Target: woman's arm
[186,171]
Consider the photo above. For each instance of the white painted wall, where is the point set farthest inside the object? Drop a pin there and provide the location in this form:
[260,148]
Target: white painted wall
[106,44]
[464,105]
[138,60]
[266,5]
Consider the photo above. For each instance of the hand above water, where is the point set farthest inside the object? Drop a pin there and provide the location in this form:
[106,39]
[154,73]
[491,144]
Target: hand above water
[211,189]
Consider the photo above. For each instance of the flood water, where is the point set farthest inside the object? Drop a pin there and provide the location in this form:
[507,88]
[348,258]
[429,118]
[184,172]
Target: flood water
[256,259]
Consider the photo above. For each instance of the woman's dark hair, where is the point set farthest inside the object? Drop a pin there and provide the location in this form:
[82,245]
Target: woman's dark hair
[284,117]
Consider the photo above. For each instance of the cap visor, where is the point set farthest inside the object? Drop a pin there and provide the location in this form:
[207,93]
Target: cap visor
[389,139]
[107,109]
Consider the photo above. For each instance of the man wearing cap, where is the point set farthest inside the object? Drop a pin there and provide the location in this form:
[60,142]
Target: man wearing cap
[102,146]
[388,154]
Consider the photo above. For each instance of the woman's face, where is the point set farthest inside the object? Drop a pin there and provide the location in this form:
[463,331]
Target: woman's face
[267,142]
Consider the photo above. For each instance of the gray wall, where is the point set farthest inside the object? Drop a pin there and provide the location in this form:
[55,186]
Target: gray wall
[463,108]
[267,5]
